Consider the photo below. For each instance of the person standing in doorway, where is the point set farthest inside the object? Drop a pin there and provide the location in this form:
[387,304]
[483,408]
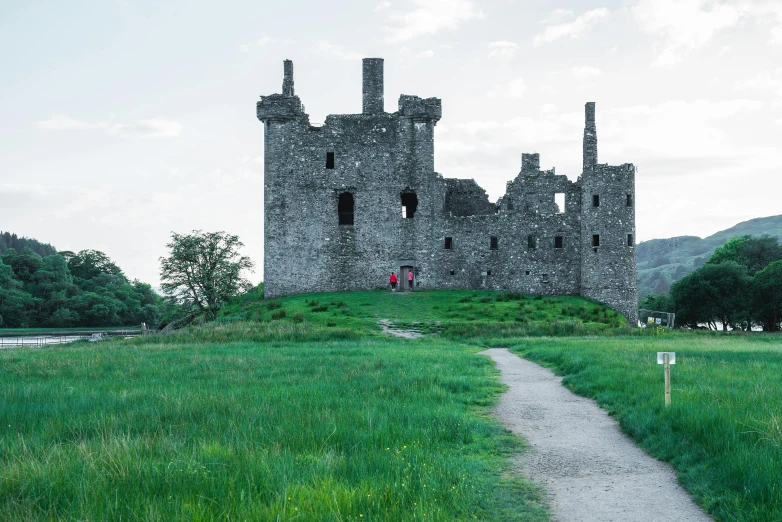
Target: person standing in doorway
[410,279]
[393,281]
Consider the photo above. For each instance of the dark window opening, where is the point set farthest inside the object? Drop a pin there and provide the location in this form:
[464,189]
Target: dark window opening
[629,240]
[448,243]
[453,272]
[345,208]
[329,160]
[526,272]
[595,240]
[409,204]
[532,242]
[595,200]
[629,200]
[558,241]
[488,272]
[545,278]
[493,243]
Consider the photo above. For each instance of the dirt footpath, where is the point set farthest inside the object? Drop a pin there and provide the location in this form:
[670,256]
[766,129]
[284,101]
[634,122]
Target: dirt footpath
[591,471]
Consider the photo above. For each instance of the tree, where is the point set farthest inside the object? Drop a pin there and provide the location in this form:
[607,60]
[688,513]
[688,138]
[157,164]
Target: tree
[754,252]
[767,295]
[714,292]
[91,263]
[204,269]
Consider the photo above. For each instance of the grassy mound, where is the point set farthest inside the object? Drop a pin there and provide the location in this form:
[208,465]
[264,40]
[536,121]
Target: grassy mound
[456,314]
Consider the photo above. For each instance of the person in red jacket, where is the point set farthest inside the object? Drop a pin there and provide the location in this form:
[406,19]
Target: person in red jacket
[393,281]
[410,280]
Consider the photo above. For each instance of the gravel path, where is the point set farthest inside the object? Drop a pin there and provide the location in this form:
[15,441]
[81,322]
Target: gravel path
[590,470]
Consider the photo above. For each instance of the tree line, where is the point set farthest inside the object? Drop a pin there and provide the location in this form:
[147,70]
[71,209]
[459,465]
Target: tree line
[66,289]
[740,287]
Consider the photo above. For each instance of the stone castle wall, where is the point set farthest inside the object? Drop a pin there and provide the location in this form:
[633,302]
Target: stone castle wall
[383,161]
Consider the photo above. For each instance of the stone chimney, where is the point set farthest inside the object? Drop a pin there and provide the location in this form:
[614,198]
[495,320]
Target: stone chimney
[373,86]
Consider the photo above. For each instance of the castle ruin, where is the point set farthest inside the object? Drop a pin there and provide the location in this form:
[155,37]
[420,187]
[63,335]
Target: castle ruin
[348,202]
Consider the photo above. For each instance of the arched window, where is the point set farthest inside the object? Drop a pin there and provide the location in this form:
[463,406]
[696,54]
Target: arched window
[345,208]
[409,204]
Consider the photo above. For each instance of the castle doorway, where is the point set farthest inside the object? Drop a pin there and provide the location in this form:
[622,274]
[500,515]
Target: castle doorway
[404,281]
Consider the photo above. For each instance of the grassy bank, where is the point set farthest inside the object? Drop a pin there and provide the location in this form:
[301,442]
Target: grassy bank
[361,429]
[455,314]
[723,432]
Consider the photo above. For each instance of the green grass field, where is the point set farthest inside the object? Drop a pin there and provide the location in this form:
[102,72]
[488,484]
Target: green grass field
[723,431]
[300,409]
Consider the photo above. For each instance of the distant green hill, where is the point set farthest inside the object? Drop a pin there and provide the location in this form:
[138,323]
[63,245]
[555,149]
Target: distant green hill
[660,262]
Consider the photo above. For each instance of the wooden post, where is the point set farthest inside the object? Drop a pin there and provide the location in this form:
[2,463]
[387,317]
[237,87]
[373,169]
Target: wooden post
[667,359]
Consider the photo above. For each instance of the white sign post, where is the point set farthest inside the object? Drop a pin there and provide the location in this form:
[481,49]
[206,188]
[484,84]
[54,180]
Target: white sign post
[667,359]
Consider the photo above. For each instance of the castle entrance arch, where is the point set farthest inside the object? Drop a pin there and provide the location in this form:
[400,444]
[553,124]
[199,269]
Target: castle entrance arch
[403,277]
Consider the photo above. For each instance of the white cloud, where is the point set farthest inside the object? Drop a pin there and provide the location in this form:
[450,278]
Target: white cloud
[612,51]
[584,71]
[337,51]
[425,55]
[503,50]
[682,26]
[513,89]
[385,4]
[263,41]
[776,35]
[574,29]
[152,128]
[557,16]
[430,17]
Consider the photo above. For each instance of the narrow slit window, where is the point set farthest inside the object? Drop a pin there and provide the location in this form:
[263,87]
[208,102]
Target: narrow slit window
[409,204]
[329,160]
[526,272]
[532,242]
[488,272]
[448,243]
[545,278]
[345,208]
[630,240]
[453,272]
[595,200]
[558,241]
[493,243]
[559,199]
[629,200]
[595,240]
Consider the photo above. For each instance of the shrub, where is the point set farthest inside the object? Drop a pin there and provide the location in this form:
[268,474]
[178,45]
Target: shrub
[279,314]
[273,305]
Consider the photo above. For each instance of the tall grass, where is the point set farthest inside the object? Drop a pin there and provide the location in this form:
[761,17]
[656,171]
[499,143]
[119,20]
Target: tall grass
[723,431]
[209,427]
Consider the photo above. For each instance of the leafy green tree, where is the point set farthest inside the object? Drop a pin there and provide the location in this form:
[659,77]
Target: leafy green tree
[754,252]
[24,264]
[713,293]
[88,264]
[767,295]
[205,269]
[658,302]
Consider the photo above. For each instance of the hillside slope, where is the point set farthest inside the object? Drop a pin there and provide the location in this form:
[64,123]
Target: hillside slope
[660,262]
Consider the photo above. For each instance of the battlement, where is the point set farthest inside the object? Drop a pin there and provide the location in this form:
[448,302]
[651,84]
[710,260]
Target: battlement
[420,109]
[277,107]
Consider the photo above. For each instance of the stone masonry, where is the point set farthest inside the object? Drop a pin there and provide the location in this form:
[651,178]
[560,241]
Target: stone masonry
[348,202]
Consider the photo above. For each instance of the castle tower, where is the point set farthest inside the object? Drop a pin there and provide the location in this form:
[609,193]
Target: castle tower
[607,228]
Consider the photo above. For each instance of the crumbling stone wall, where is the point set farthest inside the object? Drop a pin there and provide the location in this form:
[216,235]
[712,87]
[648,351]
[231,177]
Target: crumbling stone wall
[448,230]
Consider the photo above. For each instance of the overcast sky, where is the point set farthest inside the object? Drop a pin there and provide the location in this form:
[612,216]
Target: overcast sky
[125,120]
